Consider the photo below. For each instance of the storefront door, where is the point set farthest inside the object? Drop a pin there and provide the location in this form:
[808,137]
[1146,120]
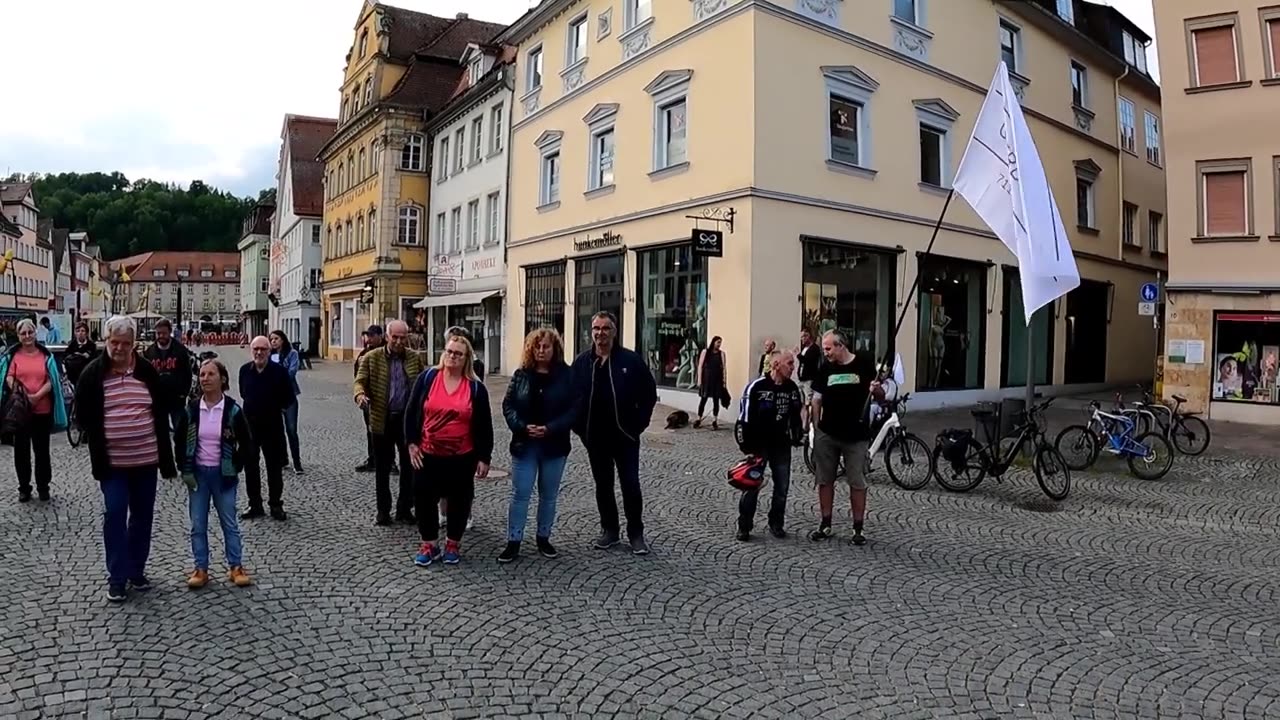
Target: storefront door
[1013,354]
[952,322]
[851,289]
[598,288]
[671,312]
[544,297]
[1086,358]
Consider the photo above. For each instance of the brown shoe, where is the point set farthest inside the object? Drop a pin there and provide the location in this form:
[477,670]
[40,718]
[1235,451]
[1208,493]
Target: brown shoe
[198,579]
[239,577]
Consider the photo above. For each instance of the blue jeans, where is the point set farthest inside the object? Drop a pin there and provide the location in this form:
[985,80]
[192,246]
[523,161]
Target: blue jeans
[211,485]
[129,502]
[291,431]
[533,466]
[780,469]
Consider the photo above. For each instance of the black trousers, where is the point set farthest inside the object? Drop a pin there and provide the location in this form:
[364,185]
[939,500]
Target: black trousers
[269,443]
[33,439]
[386,448]
[451,478]
[625,456]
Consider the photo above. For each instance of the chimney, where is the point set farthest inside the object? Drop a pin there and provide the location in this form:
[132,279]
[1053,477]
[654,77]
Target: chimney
[463,16]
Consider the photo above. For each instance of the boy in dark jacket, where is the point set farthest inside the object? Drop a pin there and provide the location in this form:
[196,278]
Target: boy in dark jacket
[173,362]
[769,426]
[616,394]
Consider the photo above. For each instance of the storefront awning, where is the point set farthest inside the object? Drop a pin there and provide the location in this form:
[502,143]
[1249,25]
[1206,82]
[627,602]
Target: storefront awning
[473,298]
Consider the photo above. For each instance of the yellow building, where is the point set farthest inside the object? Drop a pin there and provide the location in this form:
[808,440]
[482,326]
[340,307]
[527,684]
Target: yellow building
[1222,344]
[821,140]
[403,66]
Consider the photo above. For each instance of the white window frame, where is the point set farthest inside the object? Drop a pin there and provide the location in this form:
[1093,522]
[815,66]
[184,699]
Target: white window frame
[1126,112]
[1066,10]
[636,13]
[1135,53]
[409,216]
[853,86]
[1152,138]
[573,53]
[548,145]
[476,69]
[601,120]
[442,160]
[533,69]
[495,128]
[1078,68]
[414,148]
[667,90]
[1015,33]
[477,139]
[493,210]
[455,230]
[940,118]
[441,236]
[917,12]
[368,89]
[473,224]
[460,151]
[315,234]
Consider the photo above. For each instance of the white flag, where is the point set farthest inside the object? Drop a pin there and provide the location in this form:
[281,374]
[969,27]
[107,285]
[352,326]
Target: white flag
[1002,178]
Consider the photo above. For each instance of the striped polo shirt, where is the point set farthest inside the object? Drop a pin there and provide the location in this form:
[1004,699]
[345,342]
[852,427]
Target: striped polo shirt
[128,425]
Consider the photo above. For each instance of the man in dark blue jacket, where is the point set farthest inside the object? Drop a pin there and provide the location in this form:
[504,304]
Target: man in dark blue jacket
[616,395]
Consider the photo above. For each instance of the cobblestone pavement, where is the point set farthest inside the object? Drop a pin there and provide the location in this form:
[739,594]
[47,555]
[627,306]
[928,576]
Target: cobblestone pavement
[1131,599]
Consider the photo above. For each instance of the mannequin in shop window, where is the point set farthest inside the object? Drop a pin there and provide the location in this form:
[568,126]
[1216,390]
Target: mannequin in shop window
[937,344]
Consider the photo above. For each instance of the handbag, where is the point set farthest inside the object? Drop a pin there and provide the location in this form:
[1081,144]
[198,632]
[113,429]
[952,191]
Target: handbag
[15,411]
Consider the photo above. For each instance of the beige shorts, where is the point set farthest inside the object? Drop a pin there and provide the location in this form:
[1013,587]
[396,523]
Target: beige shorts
[806,391]
[827,453]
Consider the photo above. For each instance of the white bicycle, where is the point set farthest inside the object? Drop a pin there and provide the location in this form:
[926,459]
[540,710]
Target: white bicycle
[907,457]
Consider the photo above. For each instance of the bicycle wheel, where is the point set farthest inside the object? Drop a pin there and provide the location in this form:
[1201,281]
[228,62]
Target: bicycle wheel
[1079,446]
[964,476]
[909,462]
[1190,435]
[1156,462]
[74,434]
[1052,472]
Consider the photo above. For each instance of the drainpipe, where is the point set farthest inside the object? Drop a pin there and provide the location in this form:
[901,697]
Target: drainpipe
[509,84]
[1120,164]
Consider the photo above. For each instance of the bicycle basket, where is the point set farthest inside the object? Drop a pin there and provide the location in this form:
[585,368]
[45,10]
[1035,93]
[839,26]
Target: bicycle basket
[955,445]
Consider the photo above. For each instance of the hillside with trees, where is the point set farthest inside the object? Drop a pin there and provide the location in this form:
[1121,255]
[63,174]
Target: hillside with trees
[126,218]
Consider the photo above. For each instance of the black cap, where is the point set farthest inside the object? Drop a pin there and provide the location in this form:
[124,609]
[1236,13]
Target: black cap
[374,330]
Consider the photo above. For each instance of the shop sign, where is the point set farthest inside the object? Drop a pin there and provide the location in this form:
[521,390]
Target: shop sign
[487,263]
[609,239]
[708,243]
[441,286]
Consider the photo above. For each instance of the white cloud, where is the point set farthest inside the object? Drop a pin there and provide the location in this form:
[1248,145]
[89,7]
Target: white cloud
[184,90]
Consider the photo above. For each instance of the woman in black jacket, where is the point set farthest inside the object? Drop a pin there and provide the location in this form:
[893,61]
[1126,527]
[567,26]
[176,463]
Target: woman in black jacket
[539,409]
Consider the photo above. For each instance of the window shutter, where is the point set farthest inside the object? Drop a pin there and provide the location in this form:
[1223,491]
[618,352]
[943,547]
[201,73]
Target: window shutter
[1216,55]
[1273,31]
[1224,204]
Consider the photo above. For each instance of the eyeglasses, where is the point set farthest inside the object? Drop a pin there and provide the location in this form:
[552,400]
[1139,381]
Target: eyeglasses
[455,353]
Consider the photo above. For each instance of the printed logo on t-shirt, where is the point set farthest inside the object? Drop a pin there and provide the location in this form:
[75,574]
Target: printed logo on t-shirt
[844,379]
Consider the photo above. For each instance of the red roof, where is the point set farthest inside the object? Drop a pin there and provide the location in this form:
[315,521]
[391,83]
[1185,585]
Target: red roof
[436,68]
[306,137]
[141,268]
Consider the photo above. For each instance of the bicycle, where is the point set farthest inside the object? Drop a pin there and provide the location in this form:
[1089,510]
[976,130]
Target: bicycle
[910,449]
[1119,433]
[961,462]
[1186,432]
[75,433]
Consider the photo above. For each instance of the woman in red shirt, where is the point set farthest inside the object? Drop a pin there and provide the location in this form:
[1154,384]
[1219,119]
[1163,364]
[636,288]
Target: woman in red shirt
[448,427]
[31,365]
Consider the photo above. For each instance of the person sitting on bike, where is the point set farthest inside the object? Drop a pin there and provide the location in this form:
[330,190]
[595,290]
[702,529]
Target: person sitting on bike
[890,382]
[769,426]
[79,352]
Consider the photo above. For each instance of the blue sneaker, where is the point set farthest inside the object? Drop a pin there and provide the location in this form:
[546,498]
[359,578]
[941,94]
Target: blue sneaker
[426,554]
[451,554]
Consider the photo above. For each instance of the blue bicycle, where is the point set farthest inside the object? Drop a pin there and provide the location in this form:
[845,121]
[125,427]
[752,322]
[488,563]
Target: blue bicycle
[1149,455]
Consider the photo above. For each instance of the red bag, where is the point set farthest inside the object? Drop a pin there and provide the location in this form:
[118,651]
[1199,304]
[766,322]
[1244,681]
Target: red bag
[747,473]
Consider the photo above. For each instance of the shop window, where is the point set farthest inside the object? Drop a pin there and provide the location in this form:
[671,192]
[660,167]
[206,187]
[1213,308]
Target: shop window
[1245,358]
[598,287]
[953,312]
[470,317]
[671,311]
[1013,355]
[544,297]
[850,289]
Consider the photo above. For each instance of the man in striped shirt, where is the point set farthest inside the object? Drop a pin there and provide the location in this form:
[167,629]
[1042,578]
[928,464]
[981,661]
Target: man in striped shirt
[121,404]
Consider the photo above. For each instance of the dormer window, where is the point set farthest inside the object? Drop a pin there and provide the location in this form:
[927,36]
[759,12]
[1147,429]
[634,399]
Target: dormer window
[1135,53]
[477,69]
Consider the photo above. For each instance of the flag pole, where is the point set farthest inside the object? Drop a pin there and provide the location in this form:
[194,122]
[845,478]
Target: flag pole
[1031,362]
[906,305]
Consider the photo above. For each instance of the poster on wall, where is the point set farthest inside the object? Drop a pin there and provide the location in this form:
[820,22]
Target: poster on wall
[1195,352]
[1177,352]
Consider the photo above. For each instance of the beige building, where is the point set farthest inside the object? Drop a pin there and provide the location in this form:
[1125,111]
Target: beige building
[28,286]
[821,140]
[1223,310]
[189,288]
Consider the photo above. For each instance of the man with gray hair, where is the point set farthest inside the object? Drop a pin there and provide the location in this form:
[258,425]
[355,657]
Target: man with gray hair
[121,404]
[383,384]
[265,392]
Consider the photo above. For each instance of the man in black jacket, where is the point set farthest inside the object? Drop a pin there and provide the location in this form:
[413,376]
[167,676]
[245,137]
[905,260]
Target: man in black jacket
[172,360]
[265,392]
[769,426]
[616,394]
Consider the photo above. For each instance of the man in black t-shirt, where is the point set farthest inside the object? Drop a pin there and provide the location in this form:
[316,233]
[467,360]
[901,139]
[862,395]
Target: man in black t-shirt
[840,389]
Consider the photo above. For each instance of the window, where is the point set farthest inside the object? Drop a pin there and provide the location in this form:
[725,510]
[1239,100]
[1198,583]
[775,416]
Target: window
[1130,226]
[351,238]
[848,127]
[476,69]
[1246,348]
[673,137]
[473,225]
[931,140]
[601,159]
[598,286]
[551,178]
[455,230]
[368,89]
[345,108]
[906,10]
[477,136]
[637,11]
[342,178]
[315,275]
[371,236]
[262,287]
[1128,128]
[230,274]
[442,160]
[459,149]
[492,210]
[1079,85]
[671,301]
[1010,37]
[936,119]
[1223,204]
[495,129]
[1155,241]
[1135,52]
[315,234]
[1153,138]
[440,237]
[408,231]
[533,69]
[1271,40]
[206,272]
[1085,216]
[364,42]
[544,297]
[576,49]
[1215,58]
[411,154]
[952,306]
[157,272]
[375,156]
[1066,11]
[363,173]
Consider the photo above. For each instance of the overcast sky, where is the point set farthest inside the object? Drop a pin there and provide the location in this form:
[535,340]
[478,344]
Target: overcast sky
[177,90]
